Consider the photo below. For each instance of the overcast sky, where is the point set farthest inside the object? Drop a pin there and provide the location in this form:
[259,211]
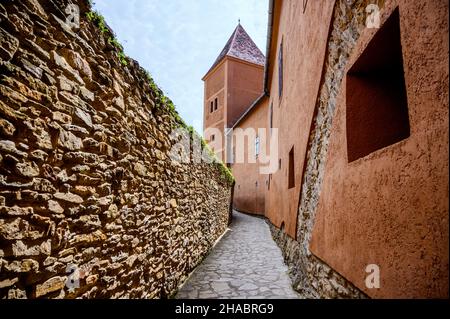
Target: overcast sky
[178,40]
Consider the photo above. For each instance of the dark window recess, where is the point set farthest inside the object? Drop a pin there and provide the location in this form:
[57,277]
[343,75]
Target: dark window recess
[213,137]
[212,107]
[377,107]
[215,104]
[280,70]
[291,180]
[279,164]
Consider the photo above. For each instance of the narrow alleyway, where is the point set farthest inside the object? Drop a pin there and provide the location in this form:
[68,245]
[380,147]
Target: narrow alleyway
[246,263]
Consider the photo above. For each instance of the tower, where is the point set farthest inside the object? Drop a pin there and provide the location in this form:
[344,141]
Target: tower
[233,82]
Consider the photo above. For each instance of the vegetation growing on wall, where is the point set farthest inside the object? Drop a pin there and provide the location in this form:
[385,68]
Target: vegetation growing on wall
[99,20]
[163,101]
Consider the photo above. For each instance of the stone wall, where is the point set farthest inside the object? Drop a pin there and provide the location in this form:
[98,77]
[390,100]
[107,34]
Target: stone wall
[88,193]
[311,277]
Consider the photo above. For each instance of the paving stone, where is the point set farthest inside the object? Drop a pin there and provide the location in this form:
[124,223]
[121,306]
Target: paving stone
[220,286]
[248,287]
[245,264]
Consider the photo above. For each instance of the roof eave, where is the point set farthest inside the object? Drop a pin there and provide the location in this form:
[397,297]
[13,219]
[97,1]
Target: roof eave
[233,58]
[214,67]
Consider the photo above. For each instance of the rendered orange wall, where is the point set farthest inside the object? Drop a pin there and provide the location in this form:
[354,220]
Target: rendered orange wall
[215,81]
[244,86]
[302,37]
[248,197]
[390,208]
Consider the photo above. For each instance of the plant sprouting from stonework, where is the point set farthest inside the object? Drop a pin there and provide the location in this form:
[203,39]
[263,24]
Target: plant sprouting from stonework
[122,57]
[99,21]
[224,170]
[163,101]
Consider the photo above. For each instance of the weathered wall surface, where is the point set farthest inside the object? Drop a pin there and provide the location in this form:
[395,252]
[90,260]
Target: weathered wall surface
[85,177]
[312,277]
[390,208]
[317,279]
[304,45]
[348,21]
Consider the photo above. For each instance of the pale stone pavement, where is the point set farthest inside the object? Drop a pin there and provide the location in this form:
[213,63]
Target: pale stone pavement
[245,264]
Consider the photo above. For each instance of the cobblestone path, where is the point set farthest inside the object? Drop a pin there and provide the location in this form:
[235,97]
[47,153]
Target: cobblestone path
[246,263]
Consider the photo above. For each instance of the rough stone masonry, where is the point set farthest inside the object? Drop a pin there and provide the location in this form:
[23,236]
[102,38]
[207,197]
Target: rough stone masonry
[91,205]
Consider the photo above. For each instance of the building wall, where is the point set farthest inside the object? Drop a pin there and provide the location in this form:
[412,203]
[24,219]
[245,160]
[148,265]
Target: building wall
[244,86]
[86,181]
[215,87]
[236,84]
[251,186]
[304,42]
[215,81]
[390,207]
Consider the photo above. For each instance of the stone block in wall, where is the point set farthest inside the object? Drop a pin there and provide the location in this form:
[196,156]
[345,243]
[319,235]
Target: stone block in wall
[8,45]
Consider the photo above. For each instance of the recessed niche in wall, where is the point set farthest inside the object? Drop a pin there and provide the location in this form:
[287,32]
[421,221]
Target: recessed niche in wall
[377,107]
[291,177]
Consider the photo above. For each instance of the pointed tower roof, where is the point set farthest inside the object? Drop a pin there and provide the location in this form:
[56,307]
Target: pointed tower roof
[242,47]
